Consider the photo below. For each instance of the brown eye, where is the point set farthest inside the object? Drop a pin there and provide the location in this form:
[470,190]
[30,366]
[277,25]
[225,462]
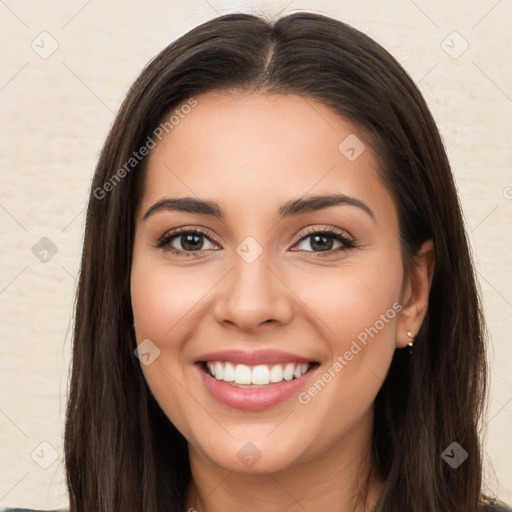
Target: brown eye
[184,242]
[190,242]
[324,241]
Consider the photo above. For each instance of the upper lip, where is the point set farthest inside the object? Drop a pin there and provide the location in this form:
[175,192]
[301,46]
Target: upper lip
[253,358]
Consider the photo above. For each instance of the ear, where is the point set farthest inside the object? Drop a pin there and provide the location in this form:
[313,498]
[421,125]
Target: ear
[415,294]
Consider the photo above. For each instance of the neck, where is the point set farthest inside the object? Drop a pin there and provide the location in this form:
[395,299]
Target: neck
[336,480]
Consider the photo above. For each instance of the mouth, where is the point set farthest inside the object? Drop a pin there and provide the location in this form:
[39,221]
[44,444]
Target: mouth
[255,376]
[257,386]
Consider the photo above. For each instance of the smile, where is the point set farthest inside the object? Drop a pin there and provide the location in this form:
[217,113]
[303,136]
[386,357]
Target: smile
[254,381]
[260,375]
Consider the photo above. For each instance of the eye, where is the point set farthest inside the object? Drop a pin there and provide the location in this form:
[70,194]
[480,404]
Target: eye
[185,242]
[323,241]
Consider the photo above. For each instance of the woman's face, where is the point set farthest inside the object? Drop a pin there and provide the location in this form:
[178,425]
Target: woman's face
[277,283]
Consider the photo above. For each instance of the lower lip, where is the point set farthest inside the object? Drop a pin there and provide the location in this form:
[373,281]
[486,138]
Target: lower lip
[254,399]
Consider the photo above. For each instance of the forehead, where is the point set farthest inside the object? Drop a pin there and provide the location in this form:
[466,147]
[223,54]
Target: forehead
[259,149]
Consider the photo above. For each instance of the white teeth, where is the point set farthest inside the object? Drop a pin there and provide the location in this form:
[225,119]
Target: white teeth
[242,374]
[288,371]
[261,374]
[219,370]
[229,373]
[276,373]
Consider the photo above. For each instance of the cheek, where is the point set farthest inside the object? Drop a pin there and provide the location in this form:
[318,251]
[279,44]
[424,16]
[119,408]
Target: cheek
[162,298]
[159,303]
[358,311]
[166,304]
[353,303]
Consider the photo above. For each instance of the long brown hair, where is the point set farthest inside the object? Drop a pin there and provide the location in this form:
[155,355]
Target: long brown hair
[121,451]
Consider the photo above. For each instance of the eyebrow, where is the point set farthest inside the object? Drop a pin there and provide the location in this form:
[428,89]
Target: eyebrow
[290,208]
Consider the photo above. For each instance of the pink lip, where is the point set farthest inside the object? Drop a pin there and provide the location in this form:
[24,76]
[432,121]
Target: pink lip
[253,358]
[253,399]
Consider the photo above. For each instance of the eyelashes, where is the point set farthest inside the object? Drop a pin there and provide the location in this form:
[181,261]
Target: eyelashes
[328,233]
[165,241]
[187,236]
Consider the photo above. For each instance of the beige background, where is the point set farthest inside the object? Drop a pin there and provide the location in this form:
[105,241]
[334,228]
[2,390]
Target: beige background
[56,110]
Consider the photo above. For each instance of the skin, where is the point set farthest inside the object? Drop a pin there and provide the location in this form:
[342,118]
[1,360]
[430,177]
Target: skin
[251,153]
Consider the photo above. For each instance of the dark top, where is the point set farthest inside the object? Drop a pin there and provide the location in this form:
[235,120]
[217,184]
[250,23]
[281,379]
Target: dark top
[497,506]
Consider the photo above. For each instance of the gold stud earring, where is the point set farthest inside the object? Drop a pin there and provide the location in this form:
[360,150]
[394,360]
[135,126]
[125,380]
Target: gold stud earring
[409,333]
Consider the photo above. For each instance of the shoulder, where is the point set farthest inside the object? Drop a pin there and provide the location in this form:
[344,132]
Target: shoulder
[493,506]
[496,506]
[28,510]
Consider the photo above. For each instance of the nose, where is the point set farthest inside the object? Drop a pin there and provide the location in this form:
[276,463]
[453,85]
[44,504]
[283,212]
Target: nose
[252,295]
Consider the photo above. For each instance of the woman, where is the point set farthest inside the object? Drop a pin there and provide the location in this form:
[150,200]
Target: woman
[277,307]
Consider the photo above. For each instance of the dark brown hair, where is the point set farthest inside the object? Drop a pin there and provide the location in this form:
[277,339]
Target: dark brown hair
[122,452]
